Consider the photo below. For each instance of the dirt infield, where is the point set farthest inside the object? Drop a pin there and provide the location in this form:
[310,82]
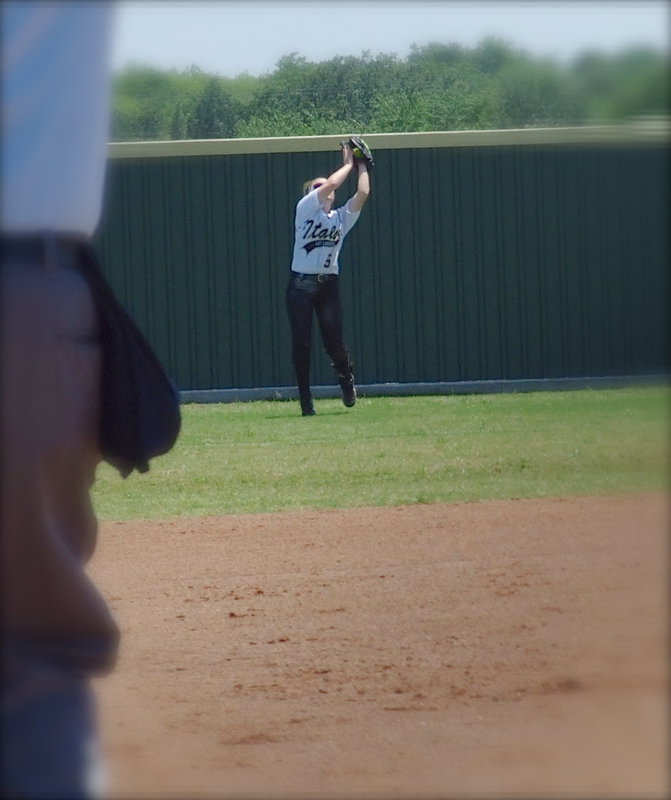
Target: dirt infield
[515,647]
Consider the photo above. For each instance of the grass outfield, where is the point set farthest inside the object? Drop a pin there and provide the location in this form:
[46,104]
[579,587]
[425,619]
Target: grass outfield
[263,456]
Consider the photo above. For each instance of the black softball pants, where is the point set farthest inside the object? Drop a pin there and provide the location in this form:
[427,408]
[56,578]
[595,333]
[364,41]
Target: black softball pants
[305,295]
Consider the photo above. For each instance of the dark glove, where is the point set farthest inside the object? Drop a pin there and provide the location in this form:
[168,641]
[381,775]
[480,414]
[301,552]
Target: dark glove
[361,151]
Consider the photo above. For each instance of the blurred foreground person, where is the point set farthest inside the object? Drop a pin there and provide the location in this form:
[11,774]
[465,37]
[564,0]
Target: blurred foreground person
[57,631]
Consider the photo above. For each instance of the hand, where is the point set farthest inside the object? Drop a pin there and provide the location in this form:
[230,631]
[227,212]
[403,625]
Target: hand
[361,152]
[347,156]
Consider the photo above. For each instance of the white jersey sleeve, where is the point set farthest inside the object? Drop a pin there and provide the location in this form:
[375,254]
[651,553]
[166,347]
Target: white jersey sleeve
[319,235]
[55,113]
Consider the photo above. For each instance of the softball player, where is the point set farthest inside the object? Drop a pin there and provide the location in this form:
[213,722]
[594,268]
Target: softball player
[313,284]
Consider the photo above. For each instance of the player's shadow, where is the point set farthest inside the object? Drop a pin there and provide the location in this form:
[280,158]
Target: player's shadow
[297,414]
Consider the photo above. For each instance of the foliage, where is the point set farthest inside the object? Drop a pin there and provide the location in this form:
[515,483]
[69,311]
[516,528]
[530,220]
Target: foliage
[614,87]
[263,456]
[214,114]
[437,87]
[536,98]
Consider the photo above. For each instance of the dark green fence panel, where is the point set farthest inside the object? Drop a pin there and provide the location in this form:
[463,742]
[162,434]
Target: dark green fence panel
[470,262]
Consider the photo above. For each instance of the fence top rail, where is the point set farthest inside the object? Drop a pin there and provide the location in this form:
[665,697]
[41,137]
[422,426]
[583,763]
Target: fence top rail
[653,130]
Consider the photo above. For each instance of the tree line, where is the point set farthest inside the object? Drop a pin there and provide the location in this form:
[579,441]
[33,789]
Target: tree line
[437,87]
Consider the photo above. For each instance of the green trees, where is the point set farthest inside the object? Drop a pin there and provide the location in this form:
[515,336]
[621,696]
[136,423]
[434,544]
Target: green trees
[633,83]
[438,87]
[214,114]
[541,97]
[145,100]
[151,105]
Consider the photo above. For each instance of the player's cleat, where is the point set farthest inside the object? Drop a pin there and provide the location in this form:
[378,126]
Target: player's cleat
[348,391]
[307,408]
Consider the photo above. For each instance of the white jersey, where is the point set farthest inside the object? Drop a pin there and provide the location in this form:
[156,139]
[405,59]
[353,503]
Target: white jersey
[55,87]
[319,235]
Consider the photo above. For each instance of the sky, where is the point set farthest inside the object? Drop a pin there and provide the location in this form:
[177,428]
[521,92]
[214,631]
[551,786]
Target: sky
[230,37]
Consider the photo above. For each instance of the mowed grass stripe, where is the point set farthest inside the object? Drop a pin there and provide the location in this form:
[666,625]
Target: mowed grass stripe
[263,456]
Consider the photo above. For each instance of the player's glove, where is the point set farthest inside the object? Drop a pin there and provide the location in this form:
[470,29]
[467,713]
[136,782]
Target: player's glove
[360,151]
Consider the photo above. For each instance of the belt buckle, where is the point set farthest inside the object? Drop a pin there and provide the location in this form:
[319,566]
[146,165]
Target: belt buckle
[321,278]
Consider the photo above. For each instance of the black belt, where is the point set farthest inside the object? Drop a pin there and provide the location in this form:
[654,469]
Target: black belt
[316,277]
[38,248]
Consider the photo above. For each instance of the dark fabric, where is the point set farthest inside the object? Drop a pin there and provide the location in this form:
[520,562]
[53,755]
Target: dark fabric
[50,366]
[140,415]
[319,277]
[303,299]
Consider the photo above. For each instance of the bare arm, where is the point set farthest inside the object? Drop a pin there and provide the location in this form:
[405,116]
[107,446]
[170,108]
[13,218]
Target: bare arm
[362,188]
[337,178]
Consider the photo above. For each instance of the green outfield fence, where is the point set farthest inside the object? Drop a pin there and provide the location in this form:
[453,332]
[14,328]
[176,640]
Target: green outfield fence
[488,259]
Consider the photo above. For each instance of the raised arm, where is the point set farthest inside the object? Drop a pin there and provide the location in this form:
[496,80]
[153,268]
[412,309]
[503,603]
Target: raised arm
[362,188]
[337,178]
